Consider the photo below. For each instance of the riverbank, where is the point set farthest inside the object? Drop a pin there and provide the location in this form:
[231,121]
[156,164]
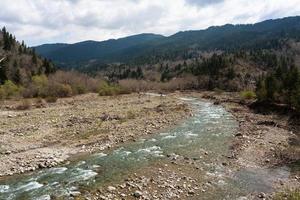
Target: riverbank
[261,143]
[263,140]
[47,135]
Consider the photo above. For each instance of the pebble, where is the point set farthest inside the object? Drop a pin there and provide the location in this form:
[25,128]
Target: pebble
[111,188]
[137,194]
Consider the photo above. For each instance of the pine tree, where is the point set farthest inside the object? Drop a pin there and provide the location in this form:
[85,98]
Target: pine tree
[34,58]
[16,76]
[139,73]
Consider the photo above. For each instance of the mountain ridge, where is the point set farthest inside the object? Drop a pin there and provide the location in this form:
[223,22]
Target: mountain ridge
[226,37]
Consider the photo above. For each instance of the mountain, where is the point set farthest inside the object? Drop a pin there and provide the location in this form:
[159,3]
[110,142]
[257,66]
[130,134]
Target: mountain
[106,51]
[264,35]
[47,48]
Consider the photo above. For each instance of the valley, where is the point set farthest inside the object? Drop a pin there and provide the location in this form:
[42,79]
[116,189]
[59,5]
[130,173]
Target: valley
[150,100]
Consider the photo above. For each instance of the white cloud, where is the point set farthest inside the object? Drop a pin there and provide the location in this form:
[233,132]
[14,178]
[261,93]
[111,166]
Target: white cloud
[48,21]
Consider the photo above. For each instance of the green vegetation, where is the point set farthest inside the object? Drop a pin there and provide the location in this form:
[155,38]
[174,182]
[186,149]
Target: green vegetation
[151,49]
[281,86]
[110,89]
[247,94]
[9,90]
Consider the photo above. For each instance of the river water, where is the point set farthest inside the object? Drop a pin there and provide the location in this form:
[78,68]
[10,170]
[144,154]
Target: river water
[210,130]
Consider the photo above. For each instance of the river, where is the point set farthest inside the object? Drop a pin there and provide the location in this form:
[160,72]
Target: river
[211,129]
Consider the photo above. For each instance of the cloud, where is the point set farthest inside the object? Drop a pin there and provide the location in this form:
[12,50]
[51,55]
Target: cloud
[203,2]
[49,21]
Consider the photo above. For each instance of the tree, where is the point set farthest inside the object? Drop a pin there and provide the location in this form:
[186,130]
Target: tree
[16,76]
[139,73]
[230,74]
[271,87]
[34,58]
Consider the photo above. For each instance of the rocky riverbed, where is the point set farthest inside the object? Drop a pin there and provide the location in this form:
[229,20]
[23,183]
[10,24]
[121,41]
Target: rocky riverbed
[261,144]
[257,158]
[263,140]
[46,136]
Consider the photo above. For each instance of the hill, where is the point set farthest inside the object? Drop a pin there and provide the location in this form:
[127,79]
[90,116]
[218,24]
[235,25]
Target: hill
[106,51]
[268,34]
[18,62]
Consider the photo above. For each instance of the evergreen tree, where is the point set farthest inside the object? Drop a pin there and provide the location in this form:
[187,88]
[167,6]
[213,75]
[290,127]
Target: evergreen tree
[139,73]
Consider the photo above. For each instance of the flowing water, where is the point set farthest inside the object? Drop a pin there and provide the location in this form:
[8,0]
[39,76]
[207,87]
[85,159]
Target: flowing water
[210,130]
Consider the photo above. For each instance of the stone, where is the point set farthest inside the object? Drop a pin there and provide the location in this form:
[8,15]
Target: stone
[111,188]
[262,195]
[137,194]
[238,135]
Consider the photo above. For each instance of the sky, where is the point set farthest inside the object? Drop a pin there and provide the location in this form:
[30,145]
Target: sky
[69,21]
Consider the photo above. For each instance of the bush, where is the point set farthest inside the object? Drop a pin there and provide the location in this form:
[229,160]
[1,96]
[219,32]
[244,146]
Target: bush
[79,89]
[248,94]
[59,90]
[39,86]
[80,83]
[111,90]
[9,89]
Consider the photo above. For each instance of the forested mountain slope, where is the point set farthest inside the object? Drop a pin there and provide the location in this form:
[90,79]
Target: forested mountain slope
[270,34]
[18,62]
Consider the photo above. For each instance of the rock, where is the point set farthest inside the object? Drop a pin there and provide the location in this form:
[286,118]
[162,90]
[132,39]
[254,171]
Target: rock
[191,192]
[238,135]
[111,188]
[224,164]
[217,102]
[137,194]
[262,195]
[7,152]
[123,195]
[75,194]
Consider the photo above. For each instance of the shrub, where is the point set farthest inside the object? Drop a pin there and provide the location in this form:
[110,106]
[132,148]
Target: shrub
[24,105]
[80,83]
[9,89]
[59,90]
[111,90]
[39,86]
[79,89]
[248,94]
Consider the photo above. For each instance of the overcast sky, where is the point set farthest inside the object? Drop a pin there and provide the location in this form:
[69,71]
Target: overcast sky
[50,21]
